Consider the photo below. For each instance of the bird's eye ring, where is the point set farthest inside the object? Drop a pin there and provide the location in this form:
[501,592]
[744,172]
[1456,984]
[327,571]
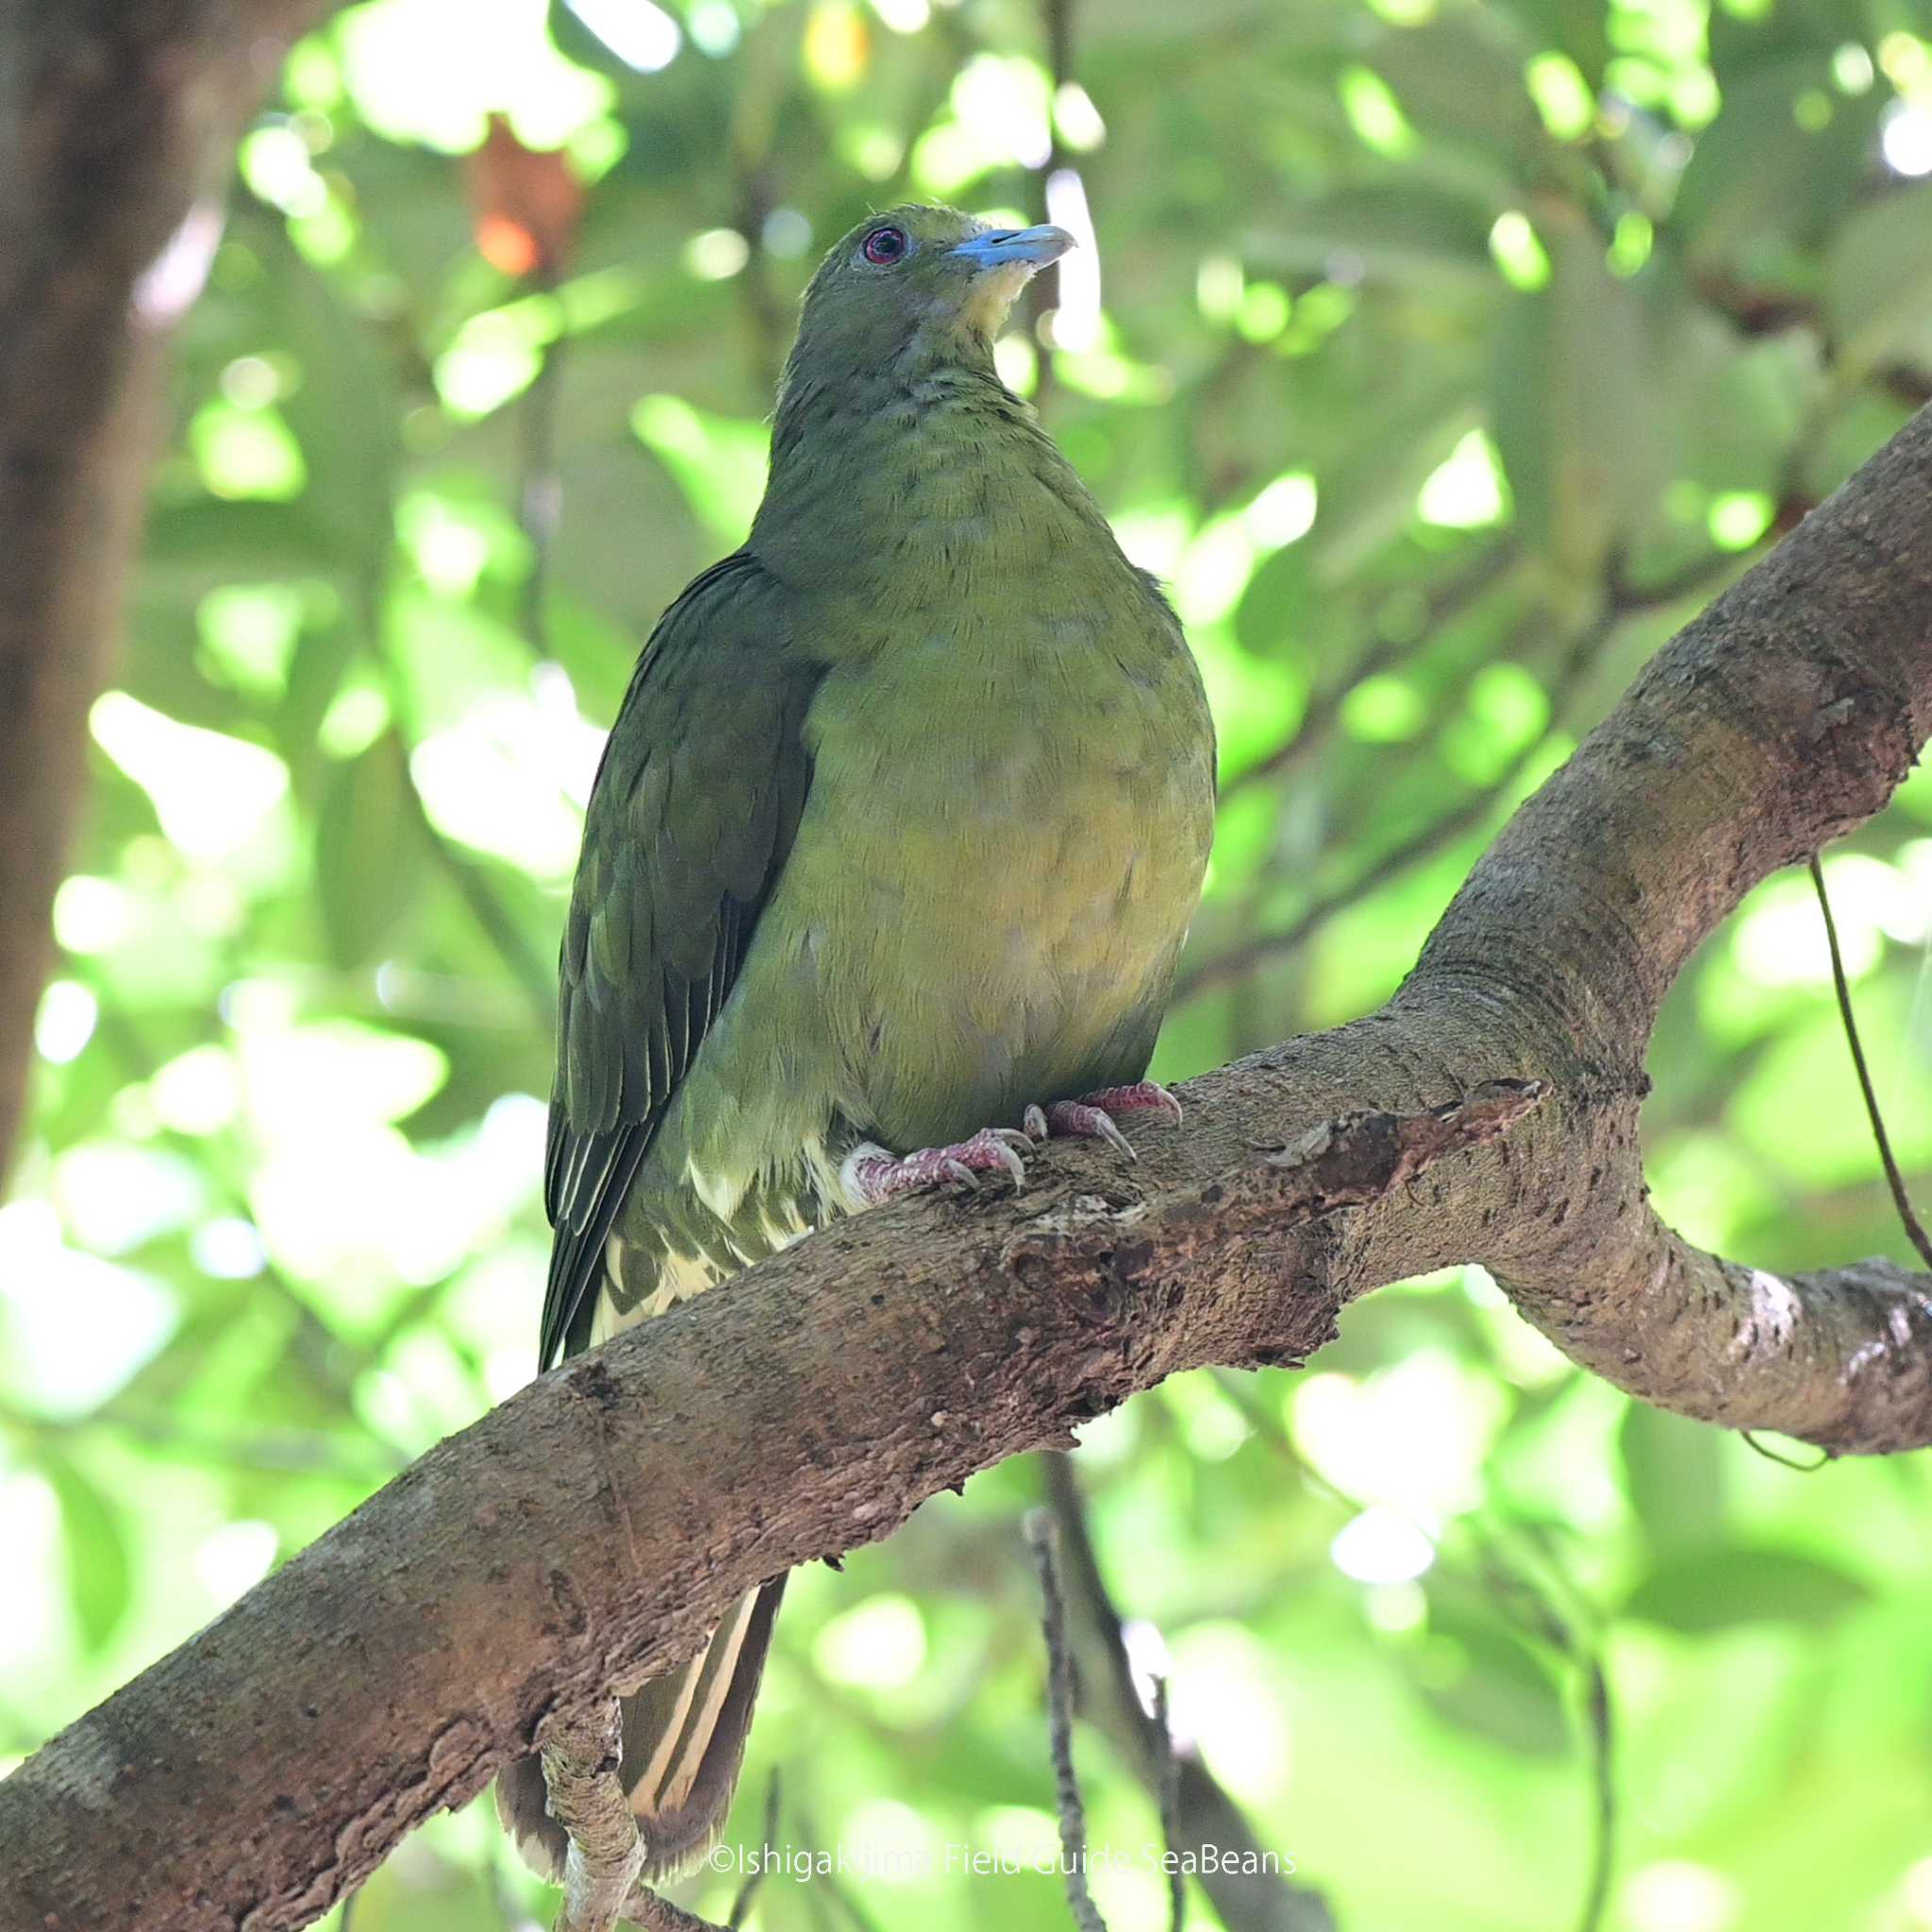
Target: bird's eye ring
[884,247]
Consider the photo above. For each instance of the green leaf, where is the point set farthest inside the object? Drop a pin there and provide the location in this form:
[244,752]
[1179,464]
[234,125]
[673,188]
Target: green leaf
[194,545]
[344,413]
[453,654]
[1716,1589]
[1574,28]
[367,852]
[1676,1470]
[1395,437]
[1494,1683]
[1880,285]
[322,654]
[1756,177]
[719,463]
[1405,232]
[1145,23]
[100,1569]
[1458,77]
[1581,410]
[1745,39]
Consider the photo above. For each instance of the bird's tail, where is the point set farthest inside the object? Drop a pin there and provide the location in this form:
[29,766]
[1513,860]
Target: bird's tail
[683,1747]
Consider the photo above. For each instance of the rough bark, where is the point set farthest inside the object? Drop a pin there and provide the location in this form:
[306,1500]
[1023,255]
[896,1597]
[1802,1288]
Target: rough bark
[115,115]
[584,1533]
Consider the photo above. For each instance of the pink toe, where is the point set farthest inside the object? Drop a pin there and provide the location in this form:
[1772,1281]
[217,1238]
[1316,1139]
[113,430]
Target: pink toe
[992,1150]
[1143,1096]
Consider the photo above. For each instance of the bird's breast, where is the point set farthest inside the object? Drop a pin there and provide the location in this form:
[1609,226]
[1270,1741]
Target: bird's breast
[1017,831]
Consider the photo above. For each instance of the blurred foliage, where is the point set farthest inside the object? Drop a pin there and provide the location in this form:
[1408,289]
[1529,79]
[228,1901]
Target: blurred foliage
[1443,356]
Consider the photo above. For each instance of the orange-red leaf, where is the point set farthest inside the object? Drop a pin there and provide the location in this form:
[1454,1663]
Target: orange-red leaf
[525,204]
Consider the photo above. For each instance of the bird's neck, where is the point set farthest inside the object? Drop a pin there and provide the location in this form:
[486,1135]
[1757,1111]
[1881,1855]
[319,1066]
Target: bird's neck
[930,451]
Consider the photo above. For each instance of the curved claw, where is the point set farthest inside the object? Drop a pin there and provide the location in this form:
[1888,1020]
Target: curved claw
[1008,1156]
[1078,1120]
[1090,1117]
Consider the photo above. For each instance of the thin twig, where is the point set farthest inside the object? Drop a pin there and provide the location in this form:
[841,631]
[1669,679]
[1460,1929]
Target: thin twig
[540,485]
[1440,832]
[1896,1180]
[1596,1896]
[840,1895]
[755,1877]
[1424,843]
[1169,1772]
[1041,1539]
[1056,29]
[1260,1898]
[1076,1549]
[1543,1600]
[822,1882]
[1791,1462]
[818,1906]
[1622,601]
[1507,1584]
[652,1912]
[764,309]
[1848,367]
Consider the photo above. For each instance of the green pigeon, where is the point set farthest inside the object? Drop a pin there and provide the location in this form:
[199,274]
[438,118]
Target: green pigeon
[885,872]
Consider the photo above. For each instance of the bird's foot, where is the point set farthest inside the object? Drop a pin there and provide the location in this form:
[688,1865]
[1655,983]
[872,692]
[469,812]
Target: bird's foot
[1091,1117]
[872,1175]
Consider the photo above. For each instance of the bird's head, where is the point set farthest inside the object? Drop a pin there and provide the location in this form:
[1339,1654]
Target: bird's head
[918,278]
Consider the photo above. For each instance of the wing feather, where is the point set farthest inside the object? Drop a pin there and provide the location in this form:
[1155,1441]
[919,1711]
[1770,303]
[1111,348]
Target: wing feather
[691,821]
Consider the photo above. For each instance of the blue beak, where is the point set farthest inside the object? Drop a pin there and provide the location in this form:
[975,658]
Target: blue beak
[1003,248]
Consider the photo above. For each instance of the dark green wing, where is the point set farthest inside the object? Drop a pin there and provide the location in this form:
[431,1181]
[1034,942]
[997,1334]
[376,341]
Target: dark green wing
[691,819]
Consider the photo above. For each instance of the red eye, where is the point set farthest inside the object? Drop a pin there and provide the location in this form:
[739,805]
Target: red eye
[884,247]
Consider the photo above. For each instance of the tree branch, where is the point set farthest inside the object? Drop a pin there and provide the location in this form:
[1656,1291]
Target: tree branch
[117,120]
[569,1543]
[1060,1724]
[587,1798]
[601,1886]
